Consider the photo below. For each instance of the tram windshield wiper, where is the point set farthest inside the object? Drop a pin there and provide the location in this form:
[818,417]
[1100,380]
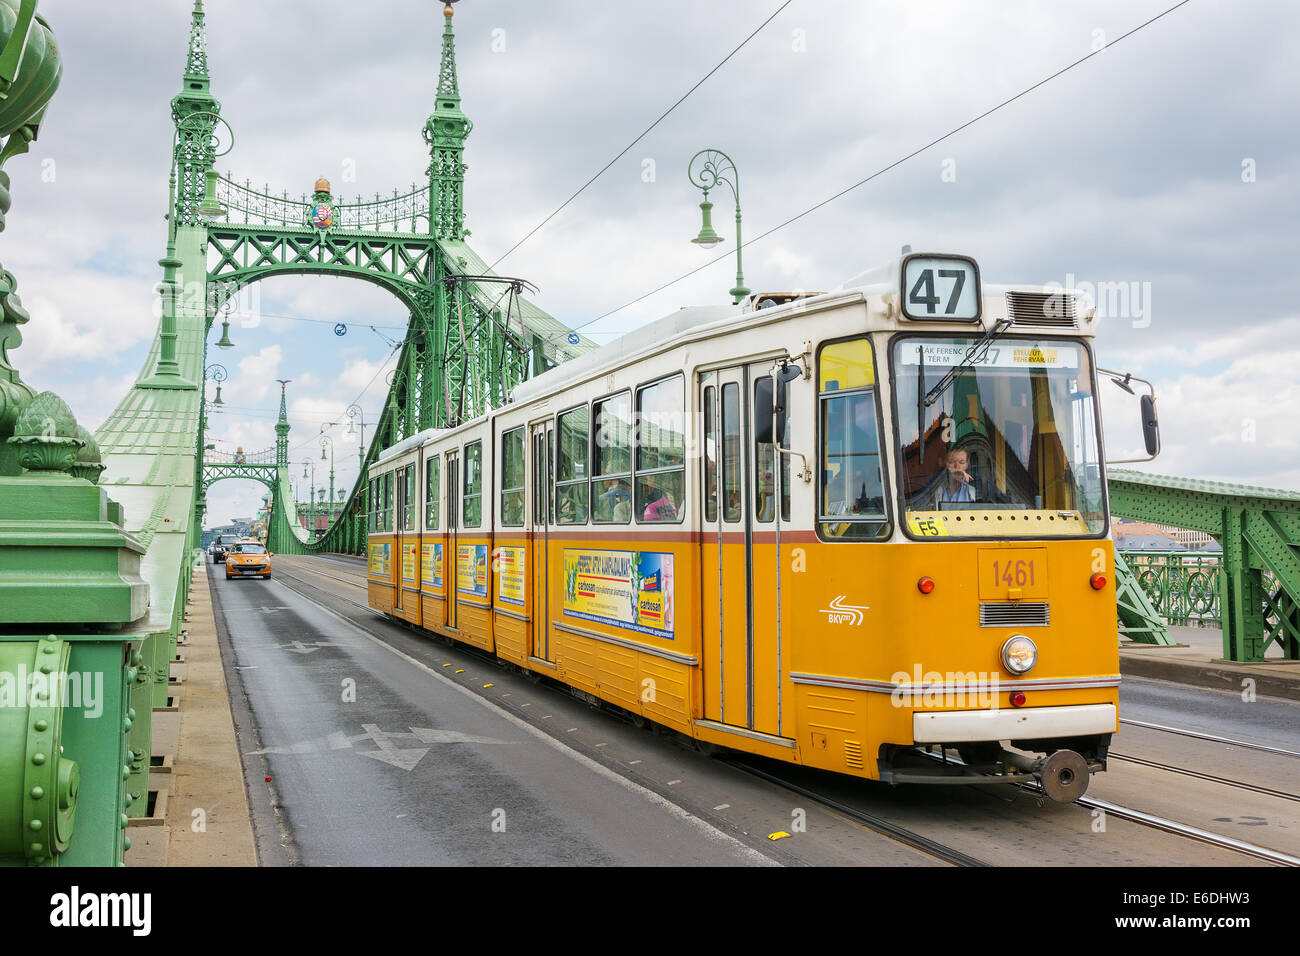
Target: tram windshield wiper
[974,355]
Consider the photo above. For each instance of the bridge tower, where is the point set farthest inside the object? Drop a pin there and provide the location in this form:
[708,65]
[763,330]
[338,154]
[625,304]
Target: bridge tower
[195,114]
[445,133]
[282,429]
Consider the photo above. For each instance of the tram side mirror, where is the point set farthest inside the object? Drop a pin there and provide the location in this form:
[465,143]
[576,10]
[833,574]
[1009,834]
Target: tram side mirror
[1150,425]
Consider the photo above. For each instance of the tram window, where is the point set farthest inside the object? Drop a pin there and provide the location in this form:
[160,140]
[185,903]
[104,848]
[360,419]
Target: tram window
[388,501]
[612,460]
[660,451]
[370,499]
[731,451]
[512,478]
[431,499]
[473,503]
[710,457]
[764,460]
[401,497]
[408,503]
[852,499]
[571,467]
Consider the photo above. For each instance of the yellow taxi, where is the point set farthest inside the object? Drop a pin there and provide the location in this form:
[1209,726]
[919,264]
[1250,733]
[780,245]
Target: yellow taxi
[248,559]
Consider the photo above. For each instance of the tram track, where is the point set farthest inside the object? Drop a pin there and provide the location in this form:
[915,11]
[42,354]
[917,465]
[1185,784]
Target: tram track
[871,821]
[1200,735]
[1156,822]
[1225,781]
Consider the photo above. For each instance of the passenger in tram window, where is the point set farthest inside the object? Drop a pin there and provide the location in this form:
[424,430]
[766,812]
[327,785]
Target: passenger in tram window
[661,506]
[766,492]
[616,493]
[733,505]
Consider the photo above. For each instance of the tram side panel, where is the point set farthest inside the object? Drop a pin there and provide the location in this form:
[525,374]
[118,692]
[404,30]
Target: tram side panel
[510,566]
[380,573]
[645,669]
[471,573]
[406,543]
[432,538]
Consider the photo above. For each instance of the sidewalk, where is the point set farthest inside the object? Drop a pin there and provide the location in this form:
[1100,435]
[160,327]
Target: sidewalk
[207,812]
[1198,661]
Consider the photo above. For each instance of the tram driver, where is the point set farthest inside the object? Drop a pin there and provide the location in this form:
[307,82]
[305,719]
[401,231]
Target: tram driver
[955,483]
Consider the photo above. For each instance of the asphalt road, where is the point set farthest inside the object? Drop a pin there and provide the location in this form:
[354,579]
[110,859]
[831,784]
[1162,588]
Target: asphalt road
[387,747]
[374,761]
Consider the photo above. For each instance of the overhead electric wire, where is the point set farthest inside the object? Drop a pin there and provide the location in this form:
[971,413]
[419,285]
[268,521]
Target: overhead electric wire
[880,172]
[642,135]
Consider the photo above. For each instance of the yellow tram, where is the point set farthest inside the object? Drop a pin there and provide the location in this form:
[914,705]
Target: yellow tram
[853,530]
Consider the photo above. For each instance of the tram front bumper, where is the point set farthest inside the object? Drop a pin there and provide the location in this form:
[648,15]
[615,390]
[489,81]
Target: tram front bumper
[1027,723]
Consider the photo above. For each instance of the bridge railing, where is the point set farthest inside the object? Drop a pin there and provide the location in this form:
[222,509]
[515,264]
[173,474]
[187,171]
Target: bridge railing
[1183,586]
[265,456]
[400,212]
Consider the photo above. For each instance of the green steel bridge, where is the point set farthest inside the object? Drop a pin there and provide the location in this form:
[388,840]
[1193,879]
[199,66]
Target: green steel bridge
[115,516]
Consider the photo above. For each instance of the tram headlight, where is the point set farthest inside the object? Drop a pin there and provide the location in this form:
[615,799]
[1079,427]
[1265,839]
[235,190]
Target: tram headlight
[1019,654]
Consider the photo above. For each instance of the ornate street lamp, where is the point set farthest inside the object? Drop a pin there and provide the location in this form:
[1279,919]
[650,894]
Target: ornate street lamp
[226,308]
[707,168]
[354,414]
[327,440]
[218,374]
[311,498]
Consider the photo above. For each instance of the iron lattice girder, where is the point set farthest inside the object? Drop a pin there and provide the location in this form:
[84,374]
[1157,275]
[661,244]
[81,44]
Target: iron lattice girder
[212,473]
[247,253]
[1259,530]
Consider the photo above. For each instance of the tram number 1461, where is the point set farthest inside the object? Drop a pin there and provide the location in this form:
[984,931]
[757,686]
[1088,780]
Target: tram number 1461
[1013,574]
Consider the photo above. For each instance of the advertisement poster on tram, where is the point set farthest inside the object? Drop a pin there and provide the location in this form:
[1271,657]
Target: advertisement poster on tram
[471,569]
[408,563]
[431,564]
[510,575]
[381,559]
[632,590]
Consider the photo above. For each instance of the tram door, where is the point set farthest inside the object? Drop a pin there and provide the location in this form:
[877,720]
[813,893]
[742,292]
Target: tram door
[738,554]
[543,449]
[400,541]
[450,557]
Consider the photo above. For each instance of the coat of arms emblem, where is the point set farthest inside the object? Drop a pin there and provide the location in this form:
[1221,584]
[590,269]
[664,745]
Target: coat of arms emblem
[322,215]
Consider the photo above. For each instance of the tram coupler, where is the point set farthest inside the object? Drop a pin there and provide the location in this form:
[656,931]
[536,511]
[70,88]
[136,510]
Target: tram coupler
[1063,775]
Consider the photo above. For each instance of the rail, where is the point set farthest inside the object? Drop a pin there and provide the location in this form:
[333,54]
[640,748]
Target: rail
[400,212]
[213,456]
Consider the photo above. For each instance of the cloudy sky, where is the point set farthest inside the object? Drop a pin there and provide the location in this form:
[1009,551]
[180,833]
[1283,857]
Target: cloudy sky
[1165,168]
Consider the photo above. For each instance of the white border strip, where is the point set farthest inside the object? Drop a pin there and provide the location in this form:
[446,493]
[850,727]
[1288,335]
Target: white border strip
[1008,685]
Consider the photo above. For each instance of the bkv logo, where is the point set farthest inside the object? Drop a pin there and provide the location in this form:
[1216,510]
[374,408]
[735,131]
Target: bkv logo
[840,613]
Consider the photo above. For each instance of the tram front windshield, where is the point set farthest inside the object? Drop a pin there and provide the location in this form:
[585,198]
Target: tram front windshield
[997,438]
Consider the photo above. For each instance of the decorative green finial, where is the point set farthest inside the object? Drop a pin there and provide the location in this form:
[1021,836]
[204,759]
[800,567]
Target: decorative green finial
[46,435]
[88,463]
[445,133]
[447,72]
[196,61]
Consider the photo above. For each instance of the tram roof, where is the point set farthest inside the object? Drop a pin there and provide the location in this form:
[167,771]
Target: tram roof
[626,346]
